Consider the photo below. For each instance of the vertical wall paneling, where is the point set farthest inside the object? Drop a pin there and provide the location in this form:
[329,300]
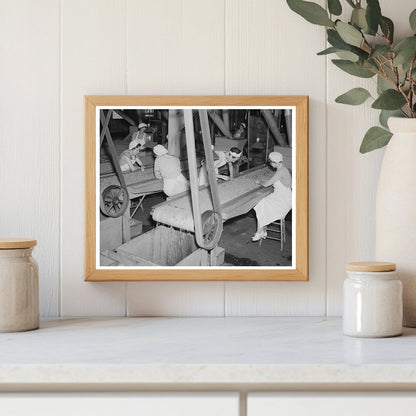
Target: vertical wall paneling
[352,177]
[93,61]
[55,52]
[29,135]
[175,48]
[272,51]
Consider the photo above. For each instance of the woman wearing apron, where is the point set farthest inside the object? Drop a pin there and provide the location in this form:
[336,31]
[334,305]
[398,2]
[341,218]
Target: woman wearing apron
[168,168]
[277,204]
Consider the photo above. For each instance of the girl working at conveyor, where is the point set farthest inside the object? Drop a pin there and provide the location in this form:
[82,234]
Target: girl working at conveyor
[222,158]
[129,158]
[168,168]
[277,204]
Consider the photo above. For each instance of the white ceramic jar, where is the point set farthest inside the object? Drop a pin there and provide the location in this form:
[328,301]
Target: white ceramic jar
[19,286]
[372,300]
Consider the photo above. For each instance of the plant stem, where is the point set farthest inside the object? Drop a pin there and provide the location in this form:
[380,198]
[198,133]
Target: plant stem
[412,86]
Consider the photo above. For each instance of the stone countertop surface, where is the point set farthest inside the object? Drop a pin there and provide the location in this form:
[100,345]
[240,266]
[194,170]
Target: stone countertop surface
[248,352]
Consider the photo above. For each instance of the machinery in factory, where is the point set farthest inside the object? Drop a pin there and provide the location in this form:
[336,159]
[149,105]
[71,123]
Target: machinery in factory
[190,224]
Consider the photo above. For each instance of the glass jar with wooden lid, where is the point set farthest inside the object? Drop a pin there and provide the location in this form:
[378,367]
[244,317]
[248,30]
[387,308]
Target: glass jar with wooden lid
[19,286]
[372,298]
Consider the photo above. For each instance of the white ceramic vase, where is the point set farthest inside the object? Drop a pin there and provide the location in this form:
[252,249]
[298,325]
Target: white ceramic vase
[396,210]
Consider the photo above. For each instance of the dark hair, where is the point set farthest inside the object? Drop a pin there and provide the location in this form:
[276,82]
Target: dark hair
[235,150]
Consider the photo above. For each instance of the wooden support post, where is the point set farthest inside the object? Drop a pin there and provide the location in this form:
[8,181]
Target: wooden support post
[271,122]
[113,153]
[104,123]
[174,133]
[248,139]
[288,120]
[125,117]
[193,175]
[209,161]
[220,124]
[267,145]
[125,226]
[226,118]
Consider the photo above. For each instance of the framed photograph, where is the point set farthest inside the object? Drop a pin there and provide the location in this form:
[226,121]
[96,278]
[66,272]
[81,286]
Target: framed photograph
[196,188]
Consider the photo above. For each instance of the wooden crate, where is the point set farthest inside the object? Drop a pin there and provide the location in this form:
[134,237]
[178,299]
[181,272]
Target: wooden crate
[165,246]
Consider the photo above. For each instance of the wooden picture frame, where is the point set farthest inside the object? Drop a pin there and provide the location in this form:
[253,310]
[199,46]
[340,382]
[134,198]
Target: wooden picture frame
[101,124]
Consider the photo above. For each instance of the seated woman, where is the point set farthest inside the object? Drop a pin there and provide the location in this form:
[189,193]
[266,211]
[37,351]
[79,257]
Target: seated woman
[168,168]
[223,158]
[129,157]
[277,204]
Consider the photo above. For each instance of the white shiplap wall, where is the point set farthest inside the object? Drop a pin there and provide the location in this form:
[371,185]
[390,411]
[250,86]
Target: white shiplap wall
[55,52]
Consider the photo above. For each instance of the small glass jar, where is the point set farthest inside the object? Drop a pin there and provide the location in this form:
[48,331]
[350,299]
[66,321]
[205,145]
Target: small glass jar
[372,300]
[19,286]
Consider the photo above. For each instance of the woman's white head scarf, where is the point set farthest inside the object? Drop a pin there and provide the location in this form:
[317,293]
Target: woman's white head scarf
[275,157]
[160,150]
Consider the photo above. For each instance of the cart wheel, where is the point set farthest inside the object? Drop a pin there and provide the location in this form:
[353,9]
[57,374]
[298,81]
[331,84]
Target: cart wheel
[114,201]
[211,228]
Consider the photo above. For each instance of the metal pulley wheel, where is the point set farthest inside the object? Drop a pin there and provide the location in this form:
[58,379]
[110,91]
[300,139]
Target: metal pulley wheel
[114,201]
[211,228]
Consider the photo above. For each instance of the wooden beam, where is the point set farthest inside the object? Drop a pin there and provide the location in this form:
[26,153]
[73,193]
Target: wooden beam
[113,152]
[125,117]
[288,119]
[104,125]
[220,124]
[193,176]
[226,118]
[271,122]
[174,133]
[209,161]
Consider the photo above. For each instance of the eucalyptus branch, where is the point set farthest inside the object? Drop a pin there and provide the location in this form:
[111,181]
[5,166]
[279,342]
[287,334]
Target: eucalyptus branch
[373,54]
[366,43]
[412,85]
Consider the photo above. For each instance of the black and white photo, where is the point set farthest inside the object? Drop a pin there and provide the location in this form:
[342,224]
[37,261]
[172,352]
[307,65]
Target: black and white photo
[205,187]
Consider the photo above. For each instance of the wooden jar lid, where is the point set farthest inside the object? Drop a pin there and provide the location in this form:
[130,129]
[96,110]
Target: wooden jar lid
[371,266]
[11,243]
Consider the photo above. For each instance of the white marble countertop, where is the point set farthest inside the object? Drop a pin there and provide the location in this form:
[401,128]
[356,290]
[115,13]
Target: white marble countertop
[297,352]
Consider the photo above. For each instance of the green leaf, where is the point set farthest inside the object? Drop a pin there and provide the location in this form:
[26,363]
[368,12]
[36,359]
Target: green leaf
[387,27]
[386,114]
[336,41]
[327,51]
[383,84]
[358,18]
[334,7]
[351,3]
[348,56]
[352,68]
[349,34]
[375,138]
[356,96]
[373,15]
[412,20]
[370,65]
[389,100]
[405,50]
[311,12]
[381,50]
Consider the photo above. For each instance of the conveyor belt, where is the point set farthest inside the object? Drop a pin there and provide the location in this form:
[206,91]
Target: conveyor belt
[237,197]
[138,183]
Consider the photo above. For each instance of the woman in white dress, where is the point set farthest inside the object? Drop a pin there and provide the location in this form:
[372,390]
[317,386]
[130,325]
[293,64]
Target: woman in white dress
[222,158]
[277,204]
[168,168]
[130,157]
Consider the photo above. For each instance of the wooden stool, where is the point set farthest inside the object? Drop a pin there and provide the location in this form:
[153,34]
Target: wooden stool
[277,231]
